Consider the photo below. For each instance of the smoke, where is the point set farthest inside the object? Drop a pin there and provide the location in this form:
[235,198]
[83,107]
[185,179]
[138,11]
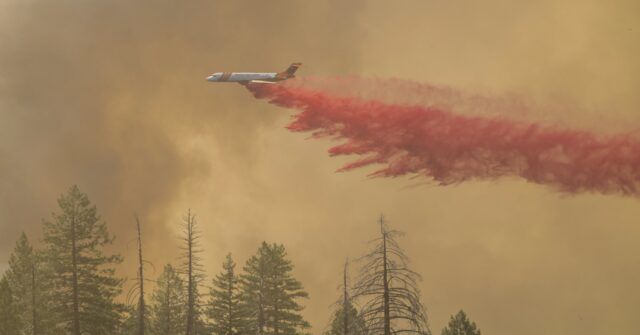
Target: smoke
[111,96]
[432,140]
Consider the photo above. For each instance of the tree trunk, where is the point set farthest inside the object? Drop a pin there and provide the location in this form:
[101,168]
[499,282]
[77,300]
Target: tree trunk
[230,307]
[276,320]
[33,297]
[168,316]
[345,302]
[387,321]
[141,305]
[74,260]
[190,297]
[260,316]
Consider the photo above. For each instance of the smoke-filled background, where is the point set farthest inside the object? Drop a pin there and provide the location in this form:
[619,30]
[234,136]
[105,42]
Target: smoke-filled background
[110,95]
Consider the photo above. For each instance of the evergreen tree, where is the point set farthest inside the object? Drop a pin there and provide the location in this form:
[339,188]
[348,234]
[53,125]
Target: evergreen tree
[224,306]
[24,279]
[346,320]
[9,320]
[192,269]
[129,324]
[168,304]
[254,291]
[389,289]
[461,325]
[354,326]
[84,286]
[284,312]
[270,293]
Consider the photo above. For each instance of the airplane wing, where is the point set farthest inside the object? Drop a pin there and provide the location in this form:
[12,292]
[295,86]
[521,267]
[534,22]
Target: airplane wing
[261,82]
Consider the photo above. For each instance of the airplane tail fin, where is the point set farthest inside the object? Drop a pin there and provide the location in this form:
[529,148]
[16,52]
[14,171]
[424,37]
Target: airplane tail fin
[289,72]
[292,68]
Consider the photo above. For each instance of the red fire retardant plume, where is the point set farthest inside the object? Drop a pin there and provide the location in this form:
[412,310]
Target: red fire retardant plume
[451,148]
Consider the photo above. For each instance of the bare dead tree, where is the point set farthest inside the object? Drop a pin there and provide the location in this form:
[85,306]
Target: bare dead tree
[193,269]
[141,304]
[389,290]
[137,319]
[346,302]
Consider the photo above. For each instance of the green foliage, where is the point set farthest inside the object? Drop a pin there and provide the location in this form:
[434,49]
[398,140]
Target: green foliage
[355,324]
[70,287]
[21,274]
[129,324]
[9,321]
[28,280]
[83,282]
[346,320]
[168,304]
[460,325]
[270,293]
[224,307]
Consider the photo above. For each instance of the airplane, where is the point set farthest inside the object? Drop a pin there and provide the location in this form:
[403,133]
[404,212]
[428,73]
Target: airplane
[245,78]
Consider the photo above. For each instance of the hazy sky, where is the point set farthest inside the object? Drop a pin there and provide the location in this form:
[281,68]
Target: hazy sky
[111,95]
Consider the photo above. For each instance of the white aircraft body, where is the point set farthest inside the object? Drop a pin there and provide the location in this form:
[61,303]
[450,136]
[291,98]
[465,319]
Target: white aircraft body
[254,77]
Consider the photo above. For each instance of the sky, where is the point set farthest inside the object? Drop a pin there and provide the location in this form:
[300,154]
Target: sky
[111,96]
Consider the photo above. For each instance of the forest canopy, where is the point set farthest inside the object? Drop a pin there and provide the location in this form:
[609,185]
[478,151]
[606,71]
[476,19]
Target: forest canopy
[69,286]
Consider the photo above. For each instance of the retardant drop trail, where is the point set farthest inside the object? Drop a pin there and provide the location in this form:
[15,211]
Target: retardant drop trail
[451,148]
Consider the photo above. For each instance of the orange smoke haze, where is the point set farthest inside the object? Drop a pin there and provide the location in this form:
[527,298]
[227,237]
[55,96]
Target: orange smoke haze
[111,95]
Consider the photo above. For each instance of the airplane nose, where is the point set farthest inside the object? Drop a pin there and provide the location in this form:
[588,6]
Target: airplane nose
[210,78]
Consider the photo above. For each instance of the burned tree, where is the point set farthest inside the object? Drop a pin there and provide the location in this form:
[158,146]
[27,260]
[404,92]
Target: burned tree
[194,273]
[389,290]
[136,318]
[141,305]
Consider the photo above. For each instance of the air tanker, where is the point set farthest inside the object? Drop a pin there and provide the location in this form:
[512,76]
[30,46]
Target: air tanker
[245,78]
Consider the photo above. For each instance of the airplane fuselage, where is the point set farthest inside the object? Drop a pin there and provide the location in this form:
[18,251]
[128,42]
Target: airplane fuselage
[245,78]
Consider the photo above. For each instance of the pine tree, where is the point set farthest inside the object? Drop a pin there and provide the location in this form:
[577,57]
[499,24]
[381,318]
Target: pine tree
[84,286]
[389,289]
[254,291]
[346,319]
[224,306]
[24,279]
[192,269]
[9,320]
[129,324]
[461,325]
[168,304]
[284,291]
[354,326]
[270,293]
